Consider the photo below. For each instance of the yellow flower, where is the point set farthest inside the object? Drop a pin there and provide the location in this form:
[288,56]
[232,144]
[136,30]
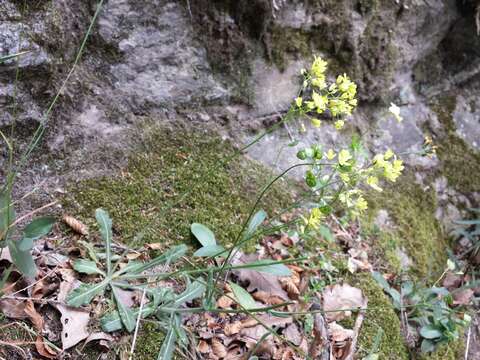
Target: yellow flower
[339,124]
[345,177]
[316,122]
[330,155]
[344,157]
[314,218]
[347,87]
[393,170]
[333,88]
[299,101]
[395,111]
[319,67]
[388,154]
[319,101]
[339,107]
[319,82]
[361,204]
[373,182]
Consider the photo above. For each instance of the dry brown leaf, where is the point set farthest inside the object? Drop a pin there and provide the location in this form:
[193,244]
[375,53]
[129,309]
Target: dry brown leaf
[37,321]
[74,325]
[233,328]
[255,331]
[234,353]
[341,341]
[226,301]
[155,246]
[341,297]
[75,225]
[292,334]
[218,348]
[267,298]
[452,281]
[203,347]
[462,297]
[257,280]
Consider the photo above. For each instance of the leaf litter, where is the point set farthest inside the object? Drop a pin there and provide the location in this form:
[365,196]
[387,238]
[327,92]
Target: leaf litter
[218,335]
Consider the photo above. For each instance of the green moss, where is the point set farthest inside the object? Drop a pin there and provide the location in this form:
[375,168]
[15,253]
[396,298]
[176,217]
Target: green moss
[285,41]
[457,158]
[451,351]
[417,230]
[149,342]
[177,178]
[380,315]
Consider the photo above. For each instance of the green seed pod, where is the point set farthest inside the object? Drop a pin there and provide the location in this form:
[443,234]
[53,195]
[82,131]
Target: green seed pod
[310,179]
[302,155]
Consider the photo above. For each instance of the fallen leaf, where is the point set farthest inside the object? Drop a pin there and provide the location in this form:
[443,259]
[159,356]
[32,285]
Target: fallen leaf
[37,321]
[341,341]
[233,328]
[267,298]
[452,281]
[218,349]
[155,246]
[257,280]
[292,334]
[338,298]
[74,325]
[101,337]
[462,297]
[225,301]
[203,347]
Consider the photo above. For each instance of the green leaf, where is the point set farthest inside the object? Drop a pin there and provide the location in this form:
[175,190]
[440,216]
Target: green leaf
[427,346]
[5,276]
[168,345]
[170,256]
[270,267]
[254,223]
[381,281]
[87,267]
[210,251]
[84,294]
[7,214]
[243,297]
[112,322]
[193,291]
[430,332]
[105,225]
[34,231]
[126,314]
[23,260]
[326,233]
[203,234]
[12,56]
[371,357]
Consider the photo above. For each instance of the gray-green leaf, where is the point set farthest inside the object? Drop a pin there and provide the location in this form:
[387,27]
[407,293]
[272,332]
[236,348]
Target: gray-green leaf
[193,291]
[23,260]
[254,223]
[168,345]
[87,267]
[203,234]
[84,294]
[430,332]
[7,214]
[209,251]
[126,314]
[105,225]
[34,231]
[270,267]
[243,297]
[170,256]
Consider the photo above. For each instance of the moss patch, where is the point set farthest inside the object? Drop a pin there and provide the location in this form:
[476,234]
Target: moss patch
[457,157]
[417,230]
[175,179]
[380,315]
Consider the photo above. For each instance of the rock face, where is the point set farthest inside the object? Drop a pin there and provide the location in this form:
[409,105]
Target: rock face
[233,64]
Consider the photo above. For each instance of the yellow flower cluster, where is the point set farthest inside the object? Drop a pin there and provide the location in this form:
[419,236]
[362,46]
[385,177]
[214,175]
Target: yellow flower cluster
[389,164]
[314,218]
[338,98]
